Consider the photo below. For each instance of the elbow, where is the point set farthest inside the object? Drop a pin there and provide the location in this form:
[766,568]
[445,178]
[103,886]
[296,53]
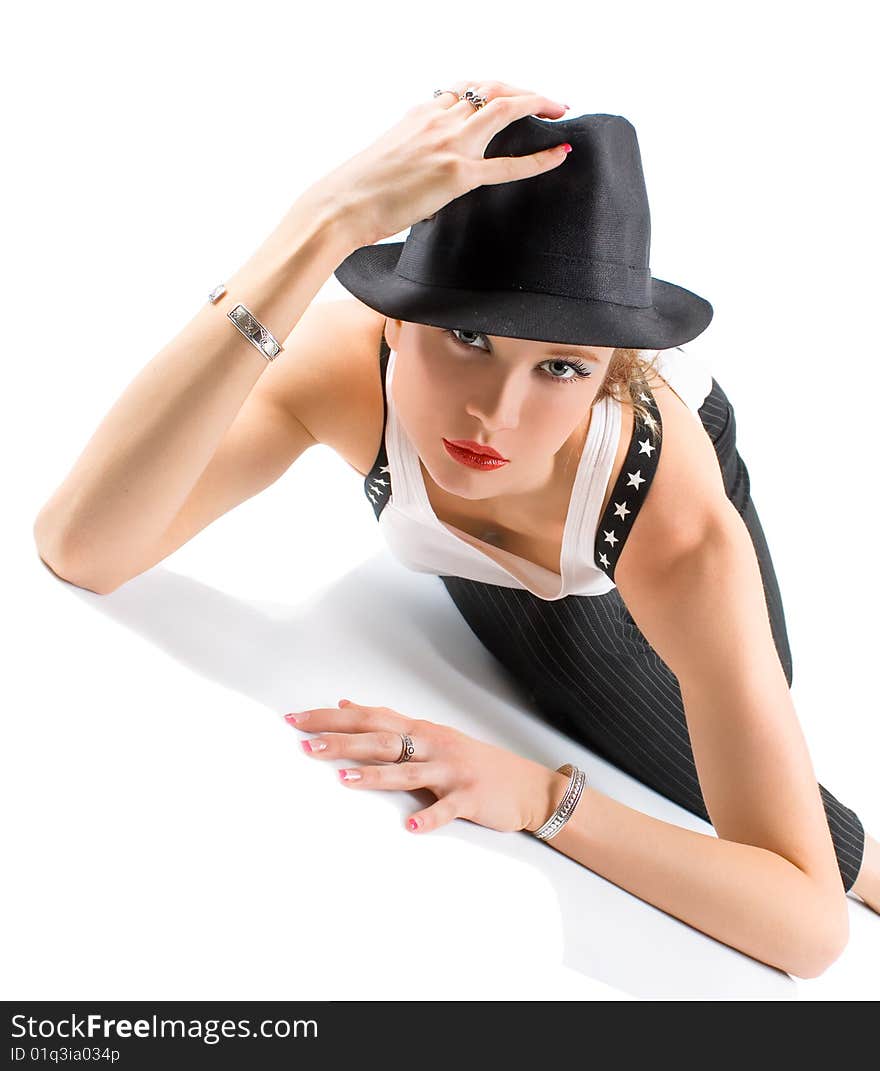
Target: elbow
[58,555]
[825,941]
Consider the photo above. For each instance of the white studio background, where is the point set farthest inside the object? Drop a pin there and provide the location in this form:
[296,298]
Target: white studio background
[166,838]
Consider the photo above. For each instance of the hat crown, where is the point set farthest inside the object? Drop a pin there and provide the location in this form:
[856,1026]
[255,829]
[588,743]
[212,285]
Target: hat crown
[559,257]
[580,230]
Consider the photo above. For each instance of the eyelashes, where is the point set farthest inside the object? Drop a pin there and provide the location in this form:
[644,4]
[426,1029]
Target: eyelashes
[578,368]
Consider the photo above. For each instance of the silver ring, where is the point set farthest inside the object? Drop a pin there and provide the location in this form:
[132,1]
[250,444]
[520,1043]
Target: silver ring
[407,748]
[470,94]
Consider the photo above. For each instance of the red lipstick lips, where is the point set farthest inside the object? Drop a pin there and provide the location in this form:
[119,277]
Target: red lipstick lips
[474,455]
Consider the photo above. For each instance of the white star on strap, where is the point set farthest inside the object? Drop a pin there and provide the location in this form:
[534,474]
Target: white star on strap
[385,468]
[635,479]
[621,510]
[645,397]
[604,560]
[611,538]
[645,447]
[650,421]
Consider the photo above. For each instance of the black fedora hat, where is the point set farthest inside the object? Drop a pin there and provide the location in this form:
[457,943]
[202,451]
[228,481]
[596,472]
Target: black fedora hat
[559,257]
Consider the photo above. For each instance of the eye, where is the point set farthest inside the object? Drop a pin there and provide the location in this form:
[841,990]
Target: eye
[456,331]
[564,371]
[577,369]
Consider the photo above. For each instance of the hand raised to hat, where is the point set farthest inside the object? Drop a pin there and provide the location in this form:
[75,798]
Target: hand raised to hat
[471,779]
[435,154]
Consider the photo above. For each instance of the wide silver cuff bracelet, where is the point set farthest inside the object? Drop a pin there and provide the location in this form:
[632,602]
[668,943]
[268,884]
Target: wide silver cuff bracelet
[576,781]
[249,326]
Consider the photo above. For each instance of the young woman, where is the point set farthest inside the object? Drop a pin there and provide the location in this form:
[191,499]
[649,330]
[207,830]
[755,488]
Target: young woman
[511,382]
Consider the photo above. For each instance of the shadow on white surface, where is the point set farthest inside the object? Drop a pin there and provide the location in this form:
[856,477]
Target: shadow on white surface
[406,646]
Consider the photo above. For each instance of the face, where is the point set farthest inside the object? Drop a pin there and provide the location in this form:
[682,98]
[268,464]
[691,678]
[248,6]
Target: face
[528,400]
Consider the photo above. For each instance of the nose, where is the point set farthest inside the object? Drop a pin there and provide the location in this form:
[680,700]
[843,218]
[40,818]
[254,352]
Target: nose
[498,403]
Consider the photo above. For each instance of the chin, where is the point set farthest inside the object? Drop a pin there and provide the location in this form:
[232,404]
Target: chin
[457,480]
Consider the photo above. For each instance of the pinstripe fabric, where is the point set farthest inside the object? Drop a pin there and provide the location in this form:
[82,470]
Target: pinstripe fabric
[590,672]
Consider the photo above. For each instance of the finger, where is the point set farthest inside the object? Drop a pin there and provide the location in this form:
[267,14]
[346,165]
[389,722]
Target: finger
[497,169]
[503,107]
[350,718]
[451,99]
[362,747]
[447,98]
[405,775]
[553,109]
[492,91]
[438,814]
[503,110]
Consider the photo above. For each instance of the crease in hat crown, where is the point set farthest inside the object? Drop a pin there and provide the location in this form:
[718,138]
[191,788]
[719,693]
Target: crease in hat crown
[560,256]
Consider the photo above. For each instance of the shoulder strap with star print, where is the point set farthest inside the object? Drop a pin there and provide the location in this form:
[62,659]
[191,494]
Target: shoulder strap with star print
[631,485]
[377,483]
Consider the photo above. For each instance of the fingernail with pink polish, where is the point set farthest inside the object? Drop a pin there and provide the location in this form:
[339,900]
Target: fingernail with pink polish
[350,775]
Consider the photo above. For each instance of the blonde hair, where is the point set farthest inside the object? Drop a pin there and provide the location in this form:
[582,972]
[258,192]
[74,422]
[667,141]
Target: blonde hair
[628,371]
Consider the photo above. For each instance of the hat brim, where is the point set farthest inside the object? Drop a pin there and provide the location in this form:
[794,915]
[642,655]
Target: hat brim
[676,316]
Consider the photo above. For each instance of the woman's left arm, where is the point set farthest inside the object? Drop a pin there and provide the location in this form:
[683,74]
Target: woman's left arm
[769,883]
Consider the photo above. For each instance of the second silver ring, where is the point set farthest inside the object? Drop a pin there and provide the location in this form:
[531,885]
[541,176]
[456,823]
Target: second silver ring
[407,748]
[469,94]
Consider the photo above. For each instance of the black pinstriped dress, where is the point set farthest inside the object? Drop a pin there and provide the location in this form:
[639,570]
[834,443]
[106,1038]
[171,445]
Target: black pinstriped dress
[582,659]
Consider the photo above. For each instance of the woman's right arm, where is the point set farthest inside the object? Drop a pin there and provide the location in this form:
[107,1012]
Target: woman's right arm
[110,518]
[129,499]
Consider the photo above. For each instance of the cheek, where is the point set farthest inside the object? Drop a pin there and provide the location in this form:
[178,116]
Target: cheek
[425,391]
[554,415]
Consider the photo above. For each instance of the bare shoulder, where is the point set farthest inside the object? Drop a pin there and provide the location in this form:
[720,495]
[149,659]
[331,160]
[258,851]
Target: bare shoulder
[327,378]
[686,499]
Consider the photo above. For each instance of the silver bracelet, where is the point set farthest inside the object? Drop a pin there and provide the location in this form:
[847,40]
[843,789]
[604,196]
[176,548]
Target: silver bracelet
[249,326]
[576,781]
